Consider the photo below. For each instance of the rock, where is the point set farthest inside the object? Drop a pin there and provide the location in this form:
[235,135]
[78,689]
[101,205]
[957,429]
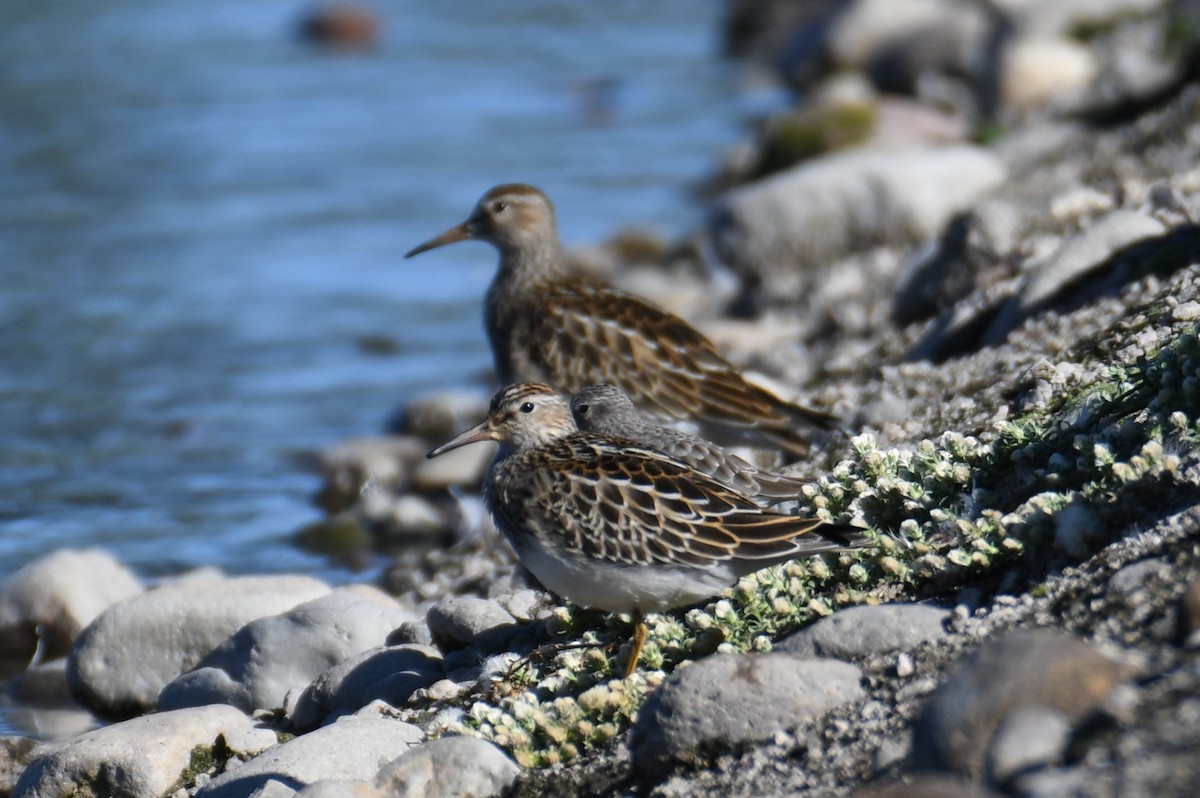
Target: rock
[340,25]
[898,43]
[1066,16]
[847,201]
[1028,739]
[352,465]
[966,256]
[732,699]
[51,600]
[248,742]
[524,604]
[1189,610]
[409,516]
[390,674]
[39,701]
[1073,261]
[1022,669]
[441,415]
[924,785]
[340,788]
[449,767]
[862,631]
[15,755]
[865,27]
[467,620]
[410,632]
[1044,71]
[140,757]
[257,666]
[352,749]
[465,467]
[343,536]
[121,662]
[1131,582]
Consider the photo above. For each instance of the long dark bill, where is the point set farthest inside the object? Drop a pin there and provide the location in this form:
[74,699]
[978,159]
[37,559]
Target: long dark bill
[480,432]
[457,233]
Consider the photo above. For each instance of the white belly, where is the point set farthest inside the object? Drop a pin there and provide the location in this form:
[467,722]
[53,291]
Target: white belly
[623,588]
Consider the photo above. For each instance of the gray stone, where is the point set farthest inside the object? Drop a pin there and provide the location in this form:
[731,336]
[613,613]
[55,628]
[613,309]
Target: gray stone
[1065,16]
[449,767]
[1028,739]
[271,788]
[351,749]
[388,674]
[467,620]
[1022,669]
[53,598]
[257,666]
[38,700]
[820,210]
[729,699]
[1045,71]
[867,26]
[410,632]
[246,743]
[15,755]
[384,463]
[1074,259]
[340,788]
[121,662]
[1059,783]
[140,757]
[863,631]
[924,785]
[524,604]
[1130,582]
[465,466]
[441,415]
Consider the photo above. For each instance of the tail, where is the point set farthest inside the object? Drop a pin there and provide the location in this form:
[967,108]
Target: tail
[732,401]
[767,538]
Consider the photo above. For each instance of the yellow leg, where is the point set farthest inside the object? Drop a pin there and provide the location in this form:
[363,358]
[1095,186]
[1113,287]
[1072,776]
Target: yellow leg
[640,633]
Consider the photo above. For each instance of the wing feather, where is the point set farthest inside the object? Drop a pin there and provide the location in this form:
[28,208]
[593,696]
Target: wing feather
[615,501]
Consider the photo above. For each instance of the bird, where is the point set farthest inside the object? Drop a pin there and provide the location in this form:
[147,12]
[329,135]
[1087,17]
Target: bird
[544,326]
[608,410]
[619,527]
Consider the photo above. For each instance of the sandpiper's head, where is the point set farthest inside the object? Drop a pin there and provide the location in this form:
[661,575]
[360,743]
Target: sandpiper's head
[513,217]
[521,415]
[605,409]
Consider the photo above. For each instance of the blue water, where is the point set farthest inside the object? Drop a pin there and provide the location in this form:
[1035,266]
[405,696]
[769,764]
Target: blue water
[201,216]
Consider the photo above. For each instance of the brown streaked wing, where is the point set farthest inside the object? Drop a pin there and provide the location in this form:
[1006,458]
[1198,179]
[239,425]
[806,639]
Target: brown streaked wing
[596,334]
[627,504]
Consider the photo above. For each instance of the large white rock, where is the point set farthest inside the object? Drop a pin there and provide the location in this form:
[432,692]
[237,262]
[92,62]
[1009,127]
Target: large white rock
[1075,260]
[821,210]
[728,700]
[53,598]
[351,749]
[1040,70]
[257,666]
[127,655]
[139,758]
[450,767]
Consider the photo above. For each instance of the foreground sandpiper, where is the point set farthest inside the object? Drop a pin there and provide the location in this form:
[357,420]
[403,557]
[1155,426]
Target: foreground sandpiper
[607,410]
[619,527]
[546,327]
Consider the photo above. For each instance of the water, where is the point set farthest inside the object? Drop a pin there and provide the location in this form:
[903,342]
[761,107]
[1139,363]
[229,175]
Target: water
[201,217]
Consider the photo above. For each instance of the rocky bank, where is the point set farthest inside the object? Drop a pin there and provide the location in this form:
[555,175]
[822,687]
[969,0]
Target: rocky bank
[977,241]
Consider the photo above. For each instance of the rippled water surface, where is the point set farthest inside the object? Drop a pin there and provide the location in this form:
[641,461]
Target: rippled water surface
[201,218]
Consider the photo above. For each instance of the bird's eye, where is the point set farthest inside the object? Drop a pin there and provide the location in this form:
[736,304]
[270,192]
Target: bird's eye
[499,206]
[581,409]
[527,407]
